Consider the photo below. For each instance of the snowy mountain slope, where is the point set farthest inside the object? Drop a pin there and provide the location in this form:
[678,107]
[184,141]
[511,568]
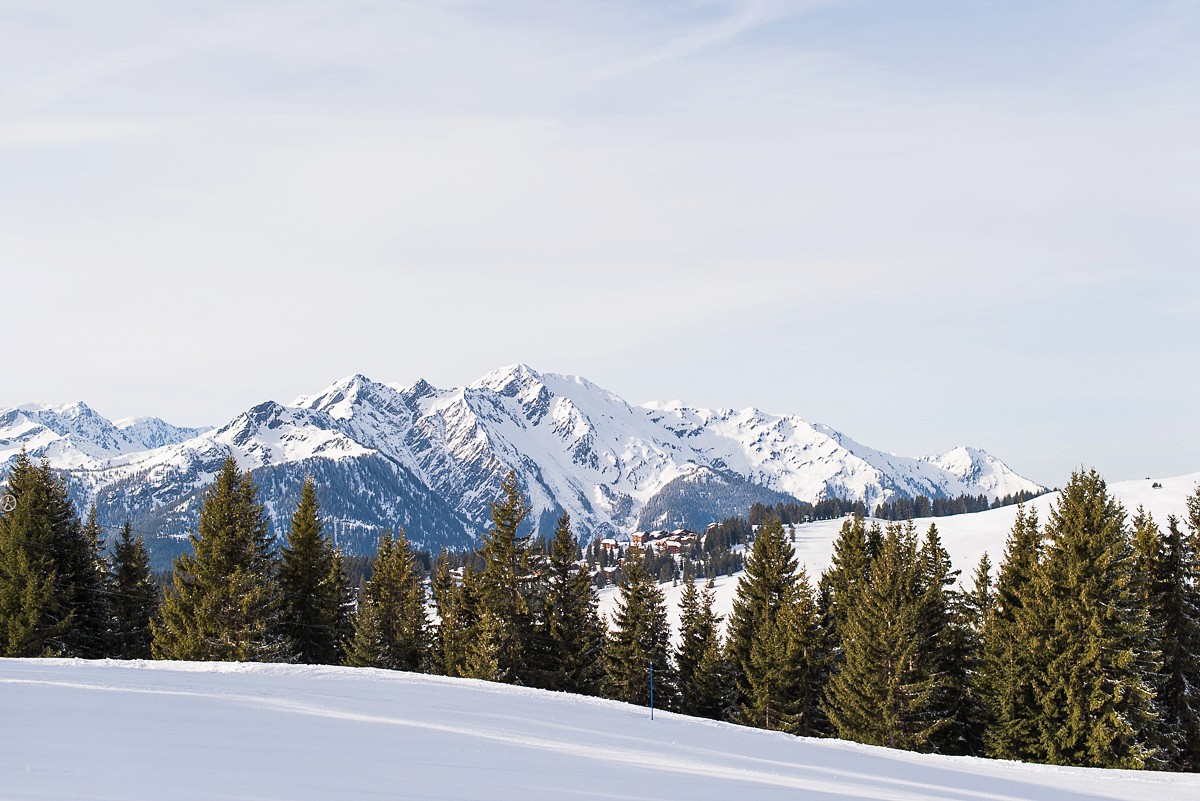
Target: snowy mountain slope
[102,731]
[966,537]
[575,447]
[153,432]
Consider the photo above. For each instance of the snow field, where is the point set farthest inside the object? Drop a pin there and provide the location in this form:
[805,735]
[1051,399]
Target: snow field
[81,730]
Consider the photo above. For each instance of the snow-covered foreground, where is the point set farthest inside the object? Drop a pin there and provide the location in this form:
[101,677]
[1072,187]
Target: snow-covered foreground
[143,730]
[966,537]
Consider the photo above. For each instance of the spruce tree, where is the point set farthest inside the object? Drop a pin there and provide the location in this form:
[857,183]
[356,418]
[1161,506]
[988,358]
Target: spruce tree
[1175,607]
[1094,704]
[313,583]
[224,601]
[849,567]
[700,667]
[883,693]
[1008,662]
[134,597]
[459,612]
[52,598]
[952,654]
[507,586]
[785,668]
[571,630]
[640,638]
[391,629]
[765,590]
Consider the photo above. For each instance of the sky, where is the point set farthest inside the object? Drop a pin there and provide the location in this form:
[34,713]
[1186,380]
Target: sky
[925,224]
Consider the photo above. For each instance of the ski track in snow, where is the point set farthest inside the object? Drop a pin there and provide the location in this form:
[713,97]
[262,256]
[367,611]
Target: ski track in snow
[128,730]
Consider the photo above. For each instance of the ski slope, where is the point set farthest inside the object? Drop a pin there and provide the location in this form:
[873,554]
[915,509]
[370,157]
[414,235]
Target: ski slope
[120,731]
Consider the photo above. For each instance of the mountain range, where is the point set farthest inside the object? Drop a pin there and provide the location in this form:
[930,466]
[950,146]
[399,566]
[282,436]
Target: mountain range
[430,460]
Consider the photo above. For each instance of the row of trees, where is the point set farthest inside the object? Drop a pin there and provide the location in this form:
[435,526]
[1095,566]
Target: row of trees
[924,506]
[1084,650]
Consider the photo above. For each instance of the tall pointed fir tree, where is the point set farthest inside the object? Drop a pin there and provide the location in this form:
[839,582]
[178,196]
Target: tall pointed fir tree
[313,583]
[459,614]
[952,652]
[224,600]
[508,587]
[849,567]
[1007,662]
[52,599]
[640,638]
[773,641]
[700,666]
[882,693]
[391,629]
[1173,596]
[1095,706]
[572,634]
[134,596]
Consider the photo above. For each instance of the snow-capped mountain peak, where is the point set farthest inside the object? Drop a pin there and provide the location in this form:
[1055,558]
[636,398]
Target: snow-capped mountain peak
[574,446]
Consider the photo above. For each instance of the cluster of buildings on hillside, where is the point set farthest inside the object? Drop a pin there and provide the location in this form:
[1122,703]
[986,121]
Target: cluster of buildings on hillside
[656,542]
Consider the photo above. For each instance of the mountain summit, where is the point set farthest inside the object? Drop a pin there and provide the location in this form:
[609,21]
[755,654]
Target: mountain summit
[430,460]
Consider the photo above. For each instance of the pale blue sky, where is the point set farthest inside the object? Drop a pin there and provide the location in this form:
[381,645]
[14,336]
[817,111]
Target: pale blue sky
[923,223]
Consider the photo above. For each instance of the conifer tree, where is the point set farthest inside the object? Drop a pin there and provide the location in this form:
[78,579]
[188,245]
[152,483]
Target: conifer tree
[640,638]
[459,610]
[786,666]
[481,659]
[313,583]
[951,653]
[52,600]
[849,567]
[766,588]
[224,601]
[981,598]
[391,629]
[882,693]
[134,597]
[1008,663]
[1174,602]
[1095,706]
[507,587]
[700,667]
[571,629]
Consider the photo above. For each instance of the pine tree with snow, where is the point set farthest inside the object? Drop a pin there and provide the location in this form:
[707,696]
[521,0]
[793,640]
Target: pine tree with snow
[134,596]
[570,627]
[883,692]
[313,583]
[1008,662]
[1094,702]
[639,638]
[391,629]
[507,585]
[224,601]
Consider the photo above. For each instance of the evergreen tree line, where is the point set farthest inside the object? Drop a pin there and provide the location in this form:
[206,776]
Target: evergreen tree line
[924,506]
[1085,649]
[803,511]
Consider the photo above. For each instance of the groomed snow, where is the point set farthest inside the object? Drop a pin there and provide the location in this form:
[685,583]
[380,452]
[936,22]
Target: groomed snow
[122,731]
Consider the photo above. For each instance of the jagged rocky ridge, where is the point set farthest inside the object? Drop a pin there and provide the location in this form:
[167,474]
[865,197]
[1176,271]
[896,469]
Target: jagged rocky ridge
[430,460]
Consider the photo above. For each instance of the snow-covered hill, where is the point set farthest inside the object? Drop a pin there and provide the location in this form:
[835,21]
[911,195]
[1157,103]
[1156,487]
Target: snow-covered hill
[431,459]
[966,537]
[111,731]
